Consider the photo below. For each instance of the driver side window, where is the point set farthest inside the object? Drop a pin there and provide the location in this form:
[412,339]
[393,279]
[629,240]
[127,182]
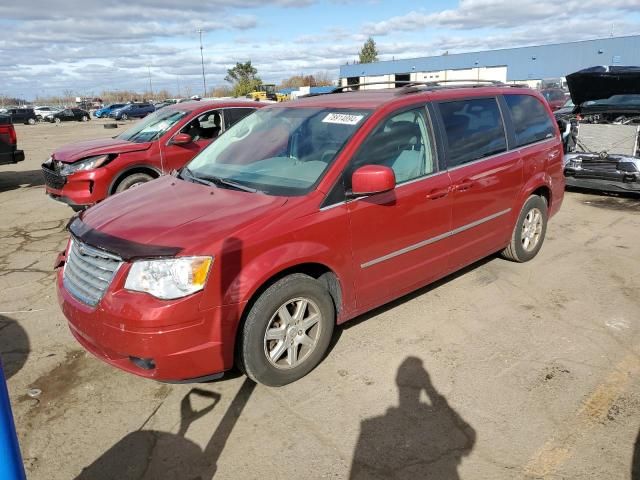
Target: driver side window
[401,142]
[204,127]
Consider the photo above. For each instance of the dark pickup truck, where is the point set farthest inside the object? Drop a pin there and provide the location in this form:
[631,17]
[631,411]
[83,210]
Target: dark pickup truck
[9,152]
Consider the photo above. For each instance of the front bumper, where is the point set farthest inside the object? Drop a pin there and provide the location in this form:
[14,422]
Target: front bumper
[7,158]
[613,173]
[170,341]
[78,190]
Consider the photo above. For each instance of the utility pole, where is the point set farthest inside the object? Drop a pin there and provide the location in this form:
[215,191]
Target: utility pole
[204,79]
[150,86]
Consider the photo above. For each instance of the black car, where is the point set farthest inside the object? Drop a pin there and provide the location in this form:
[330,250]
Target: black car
[69,114]
[8,142]
[22,115]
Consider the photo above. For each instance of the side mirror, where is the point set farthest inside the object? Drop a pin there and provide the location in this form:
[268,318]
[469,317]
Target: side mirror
[181,139]
[372,179]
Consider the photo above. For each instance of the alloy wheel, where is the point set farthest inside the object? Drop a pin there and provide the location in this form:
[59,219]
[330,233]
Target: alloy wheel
[531,229]
[292,333]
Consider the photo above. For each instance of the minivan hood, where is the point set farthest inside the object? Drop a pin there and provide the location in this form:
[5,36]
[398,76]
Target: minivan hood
[597,83]
[77,151]
[170,212]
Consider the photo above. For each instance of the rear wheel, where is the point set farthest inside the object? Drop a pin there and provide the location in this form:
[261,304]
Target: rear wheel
[529,232]
[287,331]
[133,181]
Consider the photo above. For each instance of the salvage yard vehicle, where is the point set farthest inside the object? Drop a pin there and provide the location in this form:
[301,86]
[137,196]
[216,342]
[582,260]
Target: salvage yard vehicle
[9,152]
[555,97]
[105,111]
[85,173]
[132,110]
[43,111]
[606,155]
[22,115]
[68,115]
[302,216]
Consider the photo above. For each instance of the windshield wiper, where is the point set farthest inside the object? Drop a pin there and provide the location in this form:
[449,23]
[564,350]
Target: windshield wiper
[217,181]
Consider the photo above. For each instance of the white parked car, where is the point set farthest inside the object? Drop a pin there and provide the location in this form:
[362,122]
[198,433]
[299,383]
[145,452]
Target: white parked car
[44,111]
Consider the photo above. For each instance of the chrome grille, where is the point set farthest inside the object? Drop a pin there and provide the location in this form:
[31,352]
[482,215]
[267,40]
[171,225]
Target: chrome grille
[88,272]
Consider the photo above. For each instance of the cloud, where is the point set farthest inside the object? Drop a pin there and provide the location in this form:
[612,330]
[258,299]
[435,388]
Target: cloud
[476,14]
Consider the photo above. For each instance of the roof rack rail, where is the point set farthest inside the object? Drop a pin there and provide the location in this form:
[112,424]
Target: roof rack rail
[409,86]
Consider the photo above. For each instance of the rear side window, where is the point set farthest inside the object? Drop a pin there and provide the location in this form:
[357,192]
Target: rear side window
[530,119]
[233,115]
[474,129]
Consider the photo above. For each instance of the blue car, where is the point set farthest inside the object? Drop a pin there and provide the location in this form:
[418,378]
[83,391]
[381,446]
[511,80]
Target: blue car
[104,112]
[132,110]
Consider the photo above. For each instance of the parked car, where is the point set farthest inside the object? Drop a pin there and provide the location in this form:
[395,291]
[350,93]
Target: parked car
[68,115]
[565,109]
[555,97]
[132,110]
[9,152]
[302,216]
[105,111]
[85,173]
[22,115]
[44,111]
[605,153]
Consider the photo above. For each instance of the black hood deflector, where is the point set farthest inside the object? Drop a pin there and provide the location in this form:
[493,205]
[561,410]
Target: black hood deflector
[597,83]
[125,249]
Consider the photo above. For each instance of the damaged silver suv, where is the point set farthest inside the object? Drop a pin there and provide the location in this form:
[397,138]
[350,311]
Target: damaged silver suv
[602,134]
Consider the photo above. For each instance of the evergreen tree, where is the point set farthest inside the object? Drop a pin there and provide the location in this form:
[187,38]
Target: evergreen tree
[369,52]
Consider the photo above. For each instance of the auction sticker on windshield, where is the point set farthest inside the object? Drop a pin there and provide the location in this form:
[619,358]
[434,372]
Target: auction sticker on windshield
[342,118]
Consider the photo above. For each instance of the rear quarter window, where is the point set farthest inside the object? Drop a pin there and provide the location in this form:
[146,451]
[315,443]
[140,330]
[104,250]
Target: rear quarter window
[473,128]
[531,122]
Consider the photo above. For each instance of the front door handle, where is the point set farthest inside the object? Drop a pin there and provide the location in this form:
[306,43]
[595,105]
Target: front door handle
[437,193]
[465,185]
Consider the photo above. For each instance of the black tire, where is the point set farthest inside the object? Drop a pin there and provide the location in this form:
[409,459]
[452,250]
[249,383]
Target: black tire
[31,121]
[84,118]
[124,116]
[516,250]
[133,180]
[252,356]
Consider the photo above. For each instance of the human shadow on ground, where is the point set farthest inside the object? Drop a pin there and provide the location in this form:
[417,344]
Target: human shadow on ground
[415,440]
[14,346]
[635,462]
[15,179]
[156,455]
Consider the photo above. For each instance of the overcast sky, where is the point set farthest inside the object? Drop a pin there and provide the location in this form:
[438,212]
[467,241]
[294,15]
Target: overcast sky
[49,46]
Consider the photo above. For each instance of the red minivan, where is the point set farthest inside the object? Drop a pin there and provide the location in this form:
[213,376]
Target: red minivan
[302,216]
[82,174]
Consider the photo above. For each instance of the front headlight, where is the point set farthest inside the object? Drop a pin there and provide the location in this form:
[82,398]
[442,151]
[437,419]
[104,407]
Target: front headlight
[85,164]
[169,278]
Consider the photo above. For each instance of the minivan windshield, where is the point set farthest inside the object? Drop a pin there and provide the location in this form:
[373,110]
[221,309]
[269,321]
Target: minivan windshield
[152,127]
[279,151]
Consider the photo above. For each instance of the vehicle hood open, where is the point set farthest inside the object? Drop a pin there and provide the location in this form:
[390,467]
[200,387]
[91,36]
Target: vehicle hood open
[168,216]
[77,151]
[597,83]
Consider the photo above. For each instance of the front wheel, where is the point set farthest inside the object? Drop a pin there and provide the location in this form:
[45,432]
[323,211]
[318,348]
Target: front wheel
[31,121]
[124,116]
[133,181]
[529,232]
[57,120]
[287,331]
[84,118]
